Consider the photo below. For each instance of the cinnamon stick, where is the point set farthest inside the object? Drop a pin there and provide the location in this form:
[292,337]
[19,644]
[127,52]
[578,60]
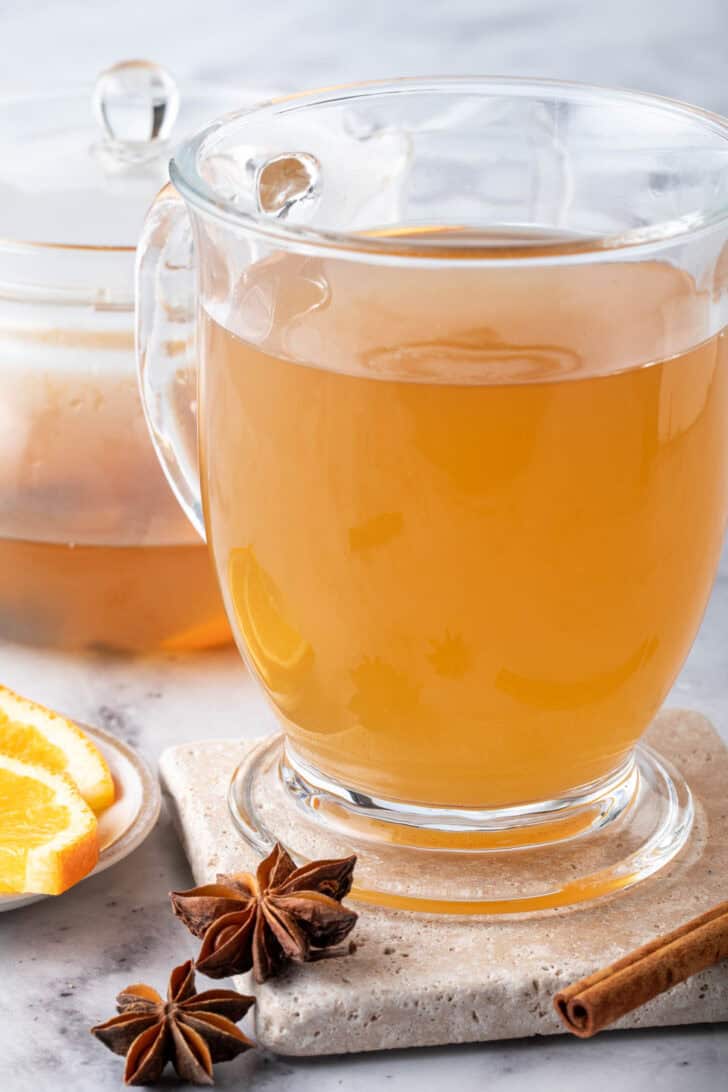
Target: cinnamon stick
[605,996]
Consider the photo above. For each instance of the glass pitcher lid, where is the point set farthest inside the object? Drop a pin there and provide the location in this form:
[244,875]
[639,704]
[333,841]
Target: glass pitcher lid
[80,169]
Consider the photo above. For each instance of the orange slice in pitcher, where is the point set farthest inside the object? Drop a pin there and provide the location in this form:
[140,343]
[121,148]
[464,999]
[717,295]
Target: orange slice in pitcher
[277,649]
[210,634]
[48,834]
[32,733]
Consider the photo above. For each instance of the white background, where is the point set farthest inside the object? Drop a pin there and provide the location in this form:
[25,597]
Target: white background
[62,962]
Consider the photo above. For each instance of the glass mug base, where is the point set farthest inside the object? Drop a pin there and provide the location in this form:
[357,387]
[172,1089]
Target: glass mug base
[607,838]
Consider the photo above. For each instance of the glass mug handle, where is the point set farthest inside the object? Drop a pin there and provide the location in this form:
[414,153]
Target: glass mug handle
[166,350]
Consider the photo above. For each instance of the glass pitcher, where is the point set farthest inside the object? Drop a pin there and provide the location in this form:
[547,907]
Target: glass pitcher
[462,413]
[93,547]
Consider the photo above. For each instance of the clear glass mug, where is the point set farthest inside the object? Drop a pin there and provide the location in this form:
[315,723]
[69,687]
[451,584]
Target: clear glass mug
[463,464]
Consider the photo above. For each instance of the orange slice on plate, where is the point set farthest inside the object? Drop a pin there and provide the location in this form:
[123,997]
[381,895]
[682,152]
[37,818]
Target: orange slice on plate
[48,833]
[32,733]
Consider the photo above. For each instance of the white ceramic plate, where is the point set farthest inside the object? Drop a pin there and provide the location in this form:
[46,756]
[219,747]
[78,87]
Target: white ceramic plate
[128,821]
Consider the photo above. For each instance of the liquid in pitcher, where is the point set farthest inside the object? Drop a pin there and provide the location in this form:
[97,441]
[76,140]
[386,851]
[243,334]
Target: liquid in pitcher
[94,551]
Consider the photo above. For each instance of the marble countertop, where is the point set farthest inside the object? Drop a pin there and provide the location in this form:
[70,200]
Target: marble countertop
[62,961]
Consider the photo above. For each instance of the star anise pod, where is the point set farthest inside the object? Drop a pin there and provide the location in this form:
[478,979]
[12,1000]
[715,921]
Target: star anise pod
[264,920]
[191,1030]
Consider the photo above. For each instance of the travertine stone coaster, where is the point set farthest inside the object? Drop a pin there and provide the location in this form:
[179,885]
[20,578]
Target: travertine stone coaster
[418,980]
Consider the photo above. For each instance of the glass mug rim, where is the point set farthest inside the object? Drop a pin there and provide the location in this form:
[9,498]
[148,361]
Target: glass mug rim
[187,178]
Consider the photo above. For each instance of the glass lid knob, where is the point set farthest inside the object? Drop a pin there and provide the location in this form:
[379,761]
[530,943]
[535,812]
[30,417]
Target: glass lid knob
[136,103]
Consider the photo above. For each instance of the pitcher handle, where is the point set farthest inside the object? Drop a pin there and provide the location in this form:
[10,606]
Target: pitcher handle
[166,349]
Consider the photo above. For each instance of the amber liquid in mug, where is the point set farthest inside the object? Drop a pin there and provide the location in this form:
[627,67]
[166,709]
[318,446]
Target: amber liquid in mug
[466,524]
[94,550]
